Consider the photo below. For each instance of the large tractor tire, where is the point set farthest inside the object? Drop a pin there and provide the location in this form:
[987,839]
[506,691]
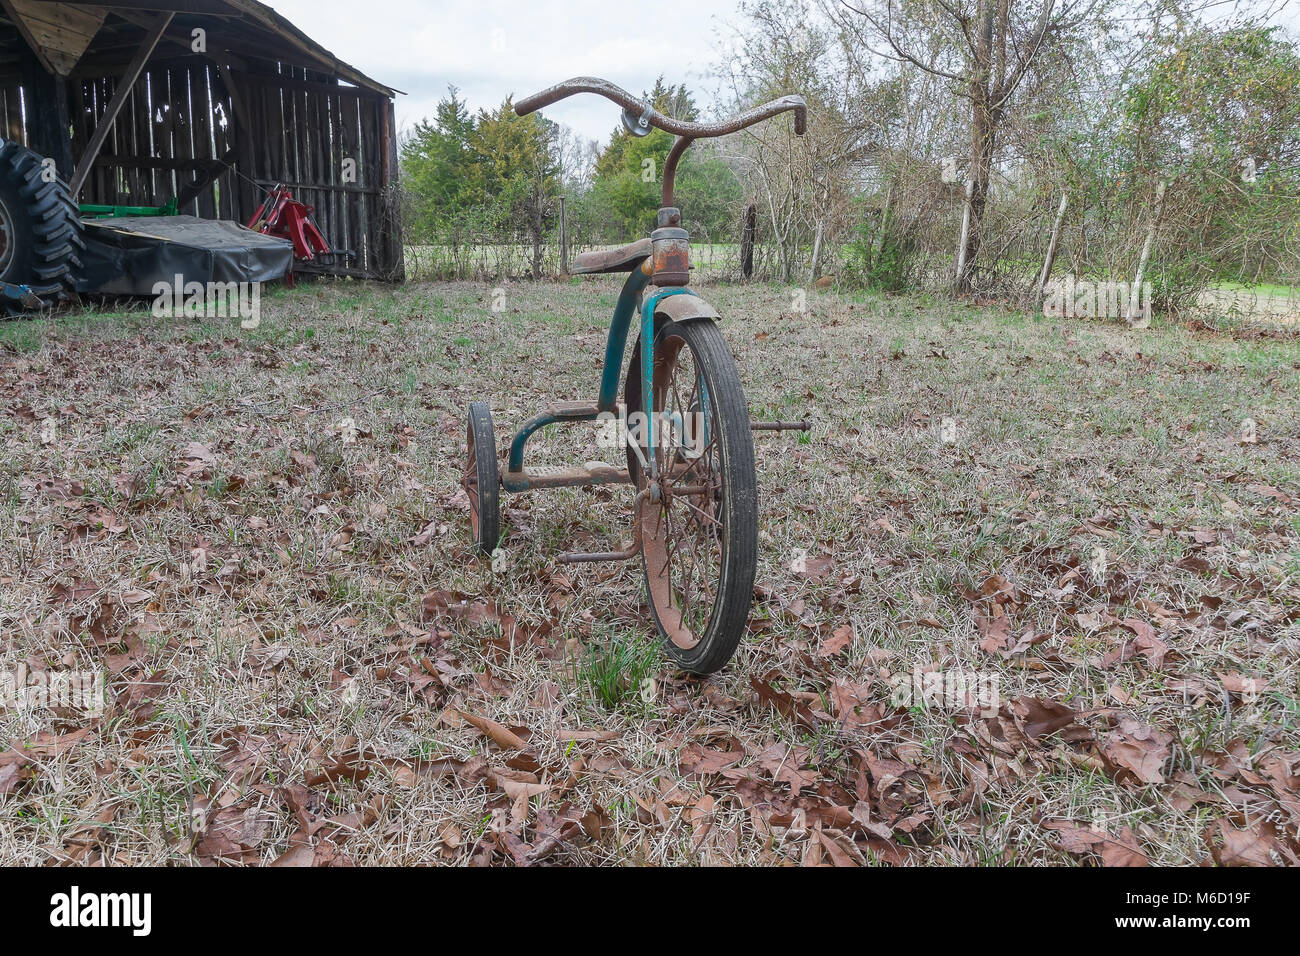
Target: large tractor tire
[40,230]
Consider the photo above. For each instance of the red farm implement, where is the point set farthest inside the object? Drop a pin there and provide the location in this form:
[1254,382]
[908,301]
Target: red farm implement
[283,216]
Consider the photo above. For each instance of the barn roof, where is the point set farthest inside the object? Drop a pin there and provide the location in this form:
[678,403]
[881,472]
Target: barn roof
[95,37]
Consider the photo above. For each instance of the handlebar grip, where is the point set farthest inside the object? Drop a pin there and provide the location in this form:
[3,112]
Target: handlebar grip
[529,104]
[800,117]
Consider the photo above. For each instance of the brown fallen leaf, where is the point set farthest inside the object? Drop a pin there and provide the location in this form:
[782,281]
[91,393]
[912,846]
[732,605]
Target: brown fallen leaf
[853,704]
[783,762]
[812,568]
[456,605]
[352,765]
[706,760]
[1122,849]
[1042,717]
[553,829]
[1268,491]
[785,704]
[1137,749]
[1194,562]
[700,818]
[1243,685]
[301,855]
[840,638]
[994,629]
[836,852]
[502,736]
[1147,643]
[1027,640]
[1242,847]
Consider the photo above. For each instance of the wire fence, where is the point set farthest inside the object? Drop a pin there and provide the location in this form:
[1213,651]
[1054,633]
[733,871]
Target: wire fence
[906,239]
[475,247]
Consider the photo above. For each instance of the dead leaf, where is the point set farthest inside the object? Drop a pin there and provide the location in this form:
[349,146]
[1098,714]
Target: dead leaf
[1137,749]
[840,638]
[500,735]
[1242,846]
[1042,717]
[1122,850]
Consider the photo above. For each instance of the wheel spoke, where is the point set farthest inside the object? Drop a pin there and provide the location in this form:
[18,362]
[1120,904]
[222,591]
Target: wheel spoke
[703,514]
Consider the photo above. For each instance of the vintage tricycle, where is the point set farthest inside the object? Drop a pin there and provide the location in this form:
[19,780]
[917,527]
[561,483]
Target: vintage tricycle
[690,454]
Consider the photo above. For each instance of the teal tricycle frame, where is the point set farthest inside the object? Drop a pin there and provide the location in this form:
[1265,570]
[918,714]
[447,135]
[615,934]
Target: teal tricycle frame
[695,511]
[517,478]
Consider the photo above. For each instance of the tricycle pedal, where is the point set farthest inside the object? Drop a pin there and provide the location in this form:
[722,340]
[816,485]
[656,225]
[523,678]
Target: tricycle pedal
[581,557]
[631,551]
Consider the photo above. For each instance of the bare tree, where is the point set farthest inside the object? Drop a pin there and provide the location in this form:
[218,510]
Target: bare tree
[804,184]
[985,49]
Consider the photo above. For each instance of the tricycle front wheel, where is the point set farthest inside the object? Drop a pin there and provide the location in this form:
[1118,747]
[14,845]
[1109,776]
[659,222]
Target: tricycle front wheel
[699,538]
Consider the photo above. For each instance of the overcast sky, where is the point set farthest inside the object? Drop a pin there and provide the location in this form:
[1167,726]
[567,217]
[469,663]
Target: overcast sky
[492,48]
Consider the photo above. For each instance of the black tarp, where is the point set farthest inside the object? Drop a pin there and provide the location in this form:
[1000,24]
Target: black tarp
[129,255]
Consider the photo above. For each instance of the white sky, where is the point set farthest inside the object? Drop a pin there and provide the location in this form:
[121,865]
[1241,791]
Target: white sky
[491,48]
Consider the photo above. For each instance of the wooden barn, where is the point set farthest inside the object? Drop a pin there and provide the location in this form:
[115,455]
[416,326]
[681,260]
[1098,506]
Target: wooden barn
[210,103]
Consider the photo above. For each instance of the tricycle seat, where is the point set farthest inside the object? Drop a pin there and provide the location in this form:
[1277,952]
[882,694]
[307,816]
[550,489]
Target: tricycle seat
[623,259]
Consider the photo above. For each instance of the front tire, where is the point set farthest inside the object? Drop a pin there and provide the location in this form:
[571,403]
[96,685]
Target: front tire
[699,542]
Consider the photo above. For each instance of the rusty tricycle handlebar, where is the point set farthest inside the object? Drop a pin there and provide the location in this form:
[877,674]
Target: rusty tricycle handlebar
[639,117]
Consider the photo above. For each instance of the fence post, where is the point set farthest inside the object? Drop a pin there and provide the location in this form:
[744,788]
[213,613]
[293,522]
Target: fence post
[747,241]
[1135,294]
[564,240]
[1050,257]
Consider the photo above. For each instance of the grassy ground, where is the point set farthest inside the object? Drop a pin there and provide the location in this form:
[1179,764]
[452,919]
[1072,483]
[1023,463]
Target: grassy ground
[259,537]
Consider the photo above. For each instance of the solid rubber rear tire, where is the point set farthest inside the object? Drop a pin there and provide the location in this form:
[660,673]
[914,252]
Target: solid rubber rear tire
[482,479]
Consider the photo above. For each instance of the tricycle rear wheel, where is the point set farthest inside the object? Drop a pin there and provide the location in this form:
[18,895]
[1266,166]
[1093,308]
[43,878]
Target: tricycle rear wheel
[481,479]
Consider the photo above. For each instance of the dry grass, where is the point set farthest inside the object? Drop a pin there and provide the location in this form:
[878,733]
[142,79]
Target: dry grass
[278,609]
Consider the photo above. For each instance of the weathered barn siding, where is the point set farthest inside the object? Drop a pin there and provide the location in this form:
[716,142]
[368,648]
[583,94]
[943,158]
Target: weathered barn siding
[281,123]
